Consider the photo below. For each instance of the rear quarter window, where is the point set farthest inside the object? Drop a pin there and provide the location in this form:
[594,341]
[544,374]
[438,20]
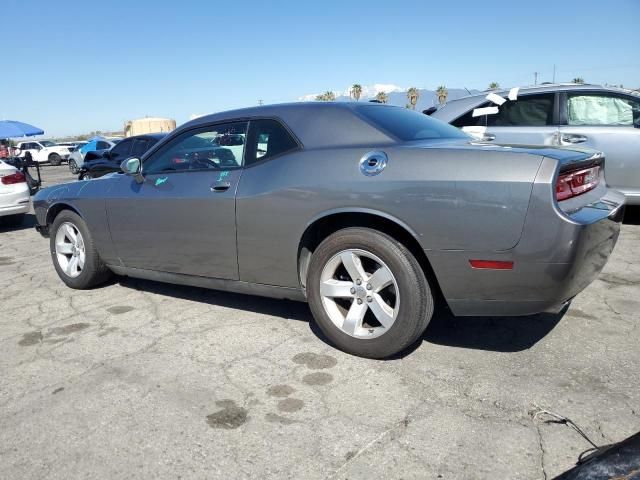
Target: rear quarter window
[407,125]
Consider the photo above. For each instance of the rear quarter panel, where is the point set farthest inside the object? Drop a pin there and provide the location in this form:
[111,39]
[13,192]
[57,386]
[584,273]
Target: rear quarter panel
[448,198]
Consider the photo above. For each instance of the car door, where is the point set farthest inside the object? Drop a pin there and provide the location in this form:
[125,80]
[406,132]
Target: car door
[608,122]
[529,120]
[180,217]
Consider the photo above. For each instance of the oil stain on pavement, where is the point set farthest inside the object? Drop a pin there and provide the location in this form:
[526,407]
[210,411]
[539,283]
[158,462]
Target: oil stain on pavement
[317,378]
[230,417]
[119,309]
[315,361]
[30,338]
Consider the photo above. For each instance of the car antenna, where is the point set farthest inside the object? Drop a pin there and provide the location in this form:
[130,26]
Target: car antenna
[467,90]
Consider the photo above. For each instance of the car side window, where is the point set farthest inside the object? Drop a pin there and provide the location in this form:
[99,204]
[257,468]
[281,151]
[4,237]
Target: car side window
[217,147]
[267,139]
[139,147]
[526,111]
[602,109]
[121,150]
[100,145]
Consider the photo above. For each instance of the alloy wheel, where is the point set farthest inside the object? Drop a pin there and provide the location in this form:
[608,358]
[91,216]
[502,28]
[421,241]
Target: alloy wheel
[70,250]
[359,293]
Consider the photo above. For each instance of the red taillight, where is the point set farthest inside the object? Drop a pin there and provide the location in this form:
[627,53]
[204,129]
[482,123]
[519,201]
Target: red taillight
[492,264]
[572,184]
[17,177]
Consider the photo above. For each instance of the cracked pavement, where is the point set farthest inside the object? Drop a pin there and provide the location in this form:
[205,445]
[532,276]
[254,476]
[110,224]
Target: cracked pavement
[140,379]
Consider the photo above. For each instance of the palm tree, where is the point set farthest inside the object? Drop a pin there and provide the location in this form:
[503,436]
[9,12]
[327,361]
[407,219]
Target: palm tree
[382,97]
[413,94]
[356,91]
[578,80]
[442,93]
[494,86]
[327,96]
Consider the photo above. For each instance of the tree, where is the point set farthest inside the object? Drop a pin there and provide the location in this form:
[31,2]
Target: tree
[356,91]
[442,93]
[382,97]
[578,80]
[494,86]
[413,94]
[327,96]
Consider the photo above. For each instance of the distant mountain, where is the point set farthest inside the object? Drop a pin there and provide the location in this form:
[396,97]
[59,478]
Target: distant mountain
[398,95]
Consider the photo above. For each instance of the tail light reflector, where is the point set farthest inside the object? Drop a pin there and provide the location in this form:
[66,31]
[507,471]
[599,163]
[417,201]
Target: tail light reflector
[492,264]
[572,184]
[17,177]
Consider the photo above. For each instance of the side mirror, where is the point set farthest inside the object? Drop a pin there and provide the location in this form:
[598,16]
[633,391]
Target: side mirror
[106,154]
[132,166]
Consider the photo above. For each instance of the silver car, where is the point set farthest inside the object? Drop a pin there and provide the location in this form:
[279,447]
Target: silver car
[603,118]
[369,212]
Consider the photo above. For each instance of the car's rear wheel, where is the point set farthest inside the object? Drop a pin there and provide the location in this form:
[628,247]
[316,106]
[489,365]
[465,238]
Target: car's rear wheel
[55,159]
[73,166]
[86,176]
[74,255]
[368,293]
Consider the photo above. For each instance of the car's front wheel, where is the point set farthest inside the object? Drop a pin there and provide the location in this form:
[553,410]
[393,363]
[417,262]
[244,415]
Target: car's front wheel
[368,293]
[73,166]
[74,255]
[86,176]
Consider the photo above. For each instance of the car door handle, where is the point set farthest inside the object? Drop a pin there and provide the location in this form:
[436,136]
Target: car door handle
[571,138]
[220,187]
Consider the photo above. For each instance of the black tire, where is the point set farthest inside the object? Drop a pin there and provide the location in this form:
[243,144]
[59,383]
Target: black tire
[94,272]
[73,167]
[12,220]
[55,159]
[416,305]
[86,176]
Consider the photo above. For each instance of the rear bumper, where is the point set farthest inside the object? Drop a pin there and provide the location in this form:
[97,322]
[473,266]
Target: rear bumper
[560,253]
[14,203]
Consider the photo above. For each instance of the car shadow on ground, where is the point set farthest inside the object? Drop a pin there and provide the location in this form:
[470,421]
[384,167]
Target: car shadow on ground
[498,334]
[632,215]
[29,222]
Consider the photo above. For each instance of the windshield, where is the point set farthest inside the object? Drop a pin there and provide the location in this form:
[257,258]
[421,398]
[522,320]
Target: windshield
[47,143]
[408,125]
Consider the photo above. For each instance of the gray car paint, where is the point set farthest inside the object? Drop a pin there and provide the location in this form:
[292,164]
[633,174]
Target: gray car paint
[620,144]
[459,199]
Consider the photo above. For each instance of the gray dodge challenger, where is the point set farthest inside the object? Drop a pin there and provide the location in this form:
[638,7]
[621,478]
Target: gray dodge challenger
[369,212]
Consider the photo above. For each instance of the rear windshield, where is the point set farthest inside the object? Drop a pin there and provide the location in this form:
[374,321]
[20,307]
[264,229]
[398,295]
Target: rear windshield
[409,125]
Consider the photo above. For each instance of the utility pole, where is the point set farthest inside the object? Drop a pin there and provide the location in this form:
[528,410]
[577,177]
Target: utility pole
[554,73]
[260,102]
[535,78]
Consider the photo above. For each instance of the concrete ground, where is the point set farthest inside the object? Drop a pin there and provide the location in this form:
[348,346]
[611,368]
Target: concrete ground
[141,379]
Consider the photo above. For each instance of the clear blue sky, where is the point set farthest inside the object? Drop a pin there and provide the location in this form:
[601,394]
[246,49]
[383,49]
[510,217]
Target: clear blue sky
[73,66]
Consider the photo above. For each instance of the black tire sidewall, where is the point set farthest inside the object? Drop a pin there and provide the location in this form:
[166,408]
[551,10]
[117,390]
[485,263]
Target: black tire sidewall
[416,300]
[92,266]
[55,159]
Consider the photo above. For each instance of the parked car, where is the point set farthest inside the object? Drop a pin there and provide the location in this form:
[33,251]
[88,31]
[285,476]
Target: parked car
[95,147]
[42,151]
[110,160]
[73,146]
[14,195]
[604,118]
[367,211]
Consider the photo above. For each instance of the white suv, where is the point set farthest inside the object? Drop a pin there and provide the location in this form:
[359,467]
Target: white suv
[44,151]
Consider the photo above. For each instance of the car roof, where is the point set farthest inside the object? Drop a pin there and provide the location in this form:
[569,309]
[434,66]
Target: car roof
[456,108]
[156,136]
[316,124]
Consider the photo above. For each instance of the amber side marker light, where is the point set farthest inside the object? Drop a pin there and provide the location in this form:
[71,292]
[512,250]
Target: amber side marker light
[491,264]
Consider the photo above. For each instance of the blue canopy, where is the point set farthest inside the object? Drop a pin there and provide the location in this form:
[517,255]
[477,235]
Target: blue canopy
[13,129]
